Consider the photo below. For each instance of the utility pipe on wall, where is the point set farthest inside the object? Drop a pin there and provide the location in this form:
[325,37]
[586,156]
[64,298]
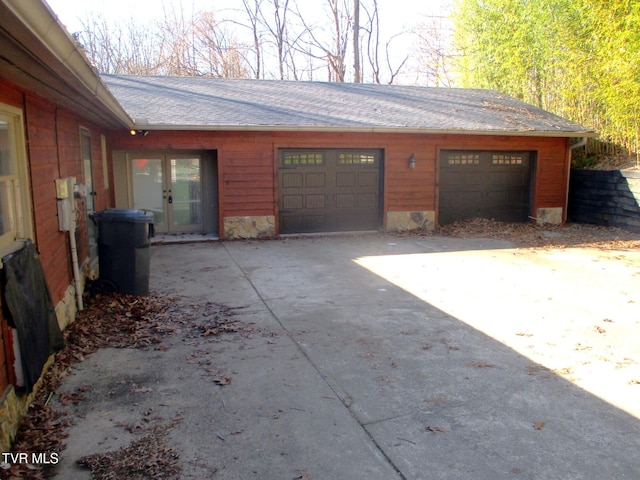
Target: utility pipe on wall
[74,260]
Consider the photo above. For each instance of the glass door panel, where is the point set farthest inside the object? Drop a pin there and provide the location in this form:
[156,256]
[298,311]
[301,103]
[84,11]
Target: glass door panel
[169,187]
[149,190]
[185,197]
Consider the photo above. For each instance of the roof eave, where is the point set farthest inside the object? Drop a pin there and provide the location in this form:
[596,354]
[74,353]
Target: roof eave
[43,24]
[343,129]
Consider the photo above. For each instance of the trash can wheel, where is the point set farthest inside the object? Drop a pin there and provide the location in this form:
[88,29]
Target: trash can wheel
[103,286]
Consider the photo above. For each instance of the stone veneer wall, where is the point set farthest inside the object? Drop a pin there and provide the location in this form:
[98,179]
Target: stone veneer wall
[551,216]
[407,221]
[605,197]
[249,227]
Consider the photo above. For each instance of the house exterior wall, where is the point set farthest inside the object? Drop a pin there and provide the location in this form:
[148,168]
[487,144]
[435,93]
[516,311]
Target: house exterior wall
[248,170]
[53,151]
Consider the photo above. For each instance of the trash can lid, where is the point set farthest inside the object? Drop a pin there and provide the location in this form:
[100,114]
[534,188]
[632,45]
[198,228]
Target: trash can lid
[124,215]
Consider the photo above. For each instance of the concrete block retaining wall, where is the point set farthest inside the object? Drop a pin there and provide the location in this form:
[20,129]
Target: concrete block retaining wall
[605,197]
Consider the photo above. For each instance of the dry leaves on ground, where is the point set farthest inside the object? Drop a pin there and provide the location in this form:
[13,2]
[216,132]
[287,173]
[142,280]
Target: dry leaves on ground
[147,458]
[118,321]
[530,235]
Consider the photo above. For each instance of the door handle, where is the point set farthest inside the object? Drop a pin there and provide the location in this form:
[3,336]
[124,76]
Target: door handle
[170,199]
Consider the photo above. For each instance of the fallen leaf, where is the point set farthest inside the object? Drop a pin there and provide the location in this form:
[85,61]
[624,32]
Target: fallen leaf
[222,379]
[480,364]
[436,429]
[538,425]
[136,389]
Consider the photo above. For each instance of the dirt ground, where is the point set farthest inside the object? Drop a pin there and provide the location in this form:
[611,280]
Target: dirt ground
[165,319]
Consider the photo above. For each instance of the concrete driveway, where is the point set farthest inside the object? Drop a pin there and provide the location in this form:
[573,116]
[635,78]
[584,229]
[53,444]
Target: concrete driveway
[387,357]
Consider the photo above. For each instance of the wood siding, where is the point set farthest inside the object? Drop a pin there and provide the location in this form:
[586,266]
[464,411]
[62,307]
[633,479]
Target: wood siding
[53,151]
[248,163]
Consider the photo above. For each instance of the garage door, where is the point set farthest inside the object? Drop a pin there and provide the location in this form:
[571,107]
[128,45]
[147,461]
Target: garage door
[329,190]
[484,184]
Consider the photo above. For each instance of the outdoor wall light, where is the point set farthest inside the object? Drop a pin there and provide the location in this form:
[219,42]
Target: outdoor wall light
[142,133]
[412,161]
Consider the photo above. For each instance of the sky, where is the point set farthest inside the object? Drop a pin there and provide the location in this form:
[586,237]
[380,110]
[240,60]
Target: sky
[397,17]
[398,13]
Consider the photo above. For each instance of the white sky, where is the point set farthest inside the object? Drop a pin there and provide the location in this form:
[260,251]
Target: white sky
[397,14]
[397,17]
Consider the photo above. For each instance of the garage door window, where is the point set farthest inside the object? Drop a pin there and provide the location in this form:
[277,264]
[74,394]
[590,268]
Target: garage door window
[463,159]
[356,159]
[293,159]
[507,159]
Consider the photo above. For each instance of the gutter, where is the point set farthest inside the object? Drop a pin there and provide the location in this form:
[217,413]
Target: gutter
[144,125]
[42,22]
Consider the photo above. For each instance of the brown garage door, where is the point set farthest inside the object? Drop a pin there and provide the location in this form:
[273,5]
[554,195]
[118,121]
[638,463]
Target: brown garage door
[484,184]
[329,190]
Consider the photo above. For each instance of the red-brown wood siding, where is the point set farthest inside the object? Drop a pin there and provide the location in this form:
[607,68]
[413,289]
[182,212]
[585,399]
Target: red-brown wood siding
[247,163]
[53,151]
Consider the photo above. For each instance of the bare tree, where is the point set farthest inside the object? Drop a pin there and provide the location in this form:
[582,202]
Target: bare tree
[332,50]
[357,75]
[373,48]
[177,44]
[218,53]
[253,10]
[120,49]
[433,51]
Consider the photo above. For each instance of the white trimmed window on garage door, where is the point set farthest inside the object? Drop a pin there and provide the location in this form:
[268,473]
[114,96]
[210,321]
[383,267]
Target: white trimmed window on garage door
[329,190]
[485,184]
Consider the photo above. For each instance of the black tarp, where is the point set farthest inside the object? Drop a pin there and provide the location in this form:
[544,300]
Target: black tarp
[29,309]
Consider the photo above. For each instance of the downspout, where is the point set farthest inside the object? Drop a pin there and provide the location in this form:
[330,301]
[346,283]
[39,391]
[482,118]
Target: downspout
[581,143]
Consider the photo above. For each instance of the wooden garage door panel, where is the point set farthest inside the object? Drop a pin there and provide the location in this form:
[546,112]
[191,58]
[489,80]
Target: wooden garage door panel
[484,184]
[315,180]
[292,201]
[292,180]
[329,190]
[315,201]
[368,179]
[345,179]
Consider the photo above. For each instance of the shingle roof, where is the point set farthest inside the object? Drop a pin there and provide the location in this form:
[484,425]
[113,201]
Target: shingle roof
[205,103]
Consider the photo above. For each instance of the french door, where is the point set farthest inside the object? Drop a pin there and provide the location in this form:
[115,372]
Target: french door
[169,185]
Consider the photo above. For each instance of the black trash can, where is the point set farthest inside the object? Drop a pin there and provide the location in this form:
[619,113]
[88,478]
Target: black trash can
[124,250]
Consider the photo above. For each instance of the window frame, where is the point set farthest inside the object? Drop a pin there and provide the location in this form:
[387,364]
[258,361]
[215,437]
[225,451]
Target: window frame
[20,191]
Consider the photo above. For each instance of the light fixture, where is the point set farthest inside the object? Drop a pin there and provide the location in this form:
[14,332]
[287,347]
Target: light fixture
[412,161]
[142,133]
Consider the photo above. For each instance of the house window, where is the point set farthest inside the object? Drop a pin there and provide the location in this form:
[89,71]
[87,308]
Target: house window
[14,196]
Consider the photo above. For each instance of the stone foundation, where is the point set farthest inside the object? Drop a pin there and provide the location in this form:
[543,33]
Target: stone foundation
[67,308]
[551,216]
[407,221]
[249,227]
[12,409]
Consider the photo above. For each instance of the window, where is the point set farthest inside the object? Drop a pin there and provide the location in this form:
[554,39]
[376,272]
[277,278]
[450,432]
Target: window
[463,159]
[304,158]
[507,159]
[356,159]
[14,195]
